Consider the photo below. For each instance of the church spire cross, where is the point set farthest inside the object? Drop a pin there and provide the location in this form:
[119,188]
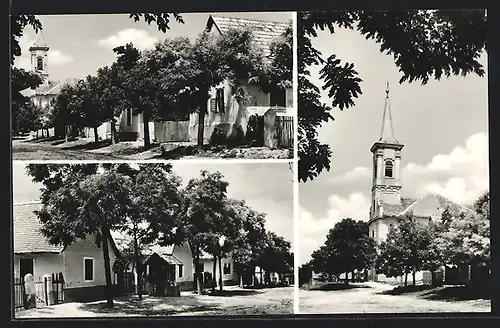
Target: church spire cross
[387,132]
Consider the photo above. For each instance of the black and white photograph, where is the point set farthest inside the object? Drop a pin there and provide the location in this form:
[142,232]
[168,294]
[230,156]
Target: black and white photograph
[136,86]
[394,186]
[152,240]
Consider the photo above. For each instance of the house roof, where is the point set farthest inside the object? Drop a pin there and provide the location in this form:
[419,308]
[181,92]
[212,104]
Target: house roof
[431,205]
[264,31]
[27,235]
[170,259]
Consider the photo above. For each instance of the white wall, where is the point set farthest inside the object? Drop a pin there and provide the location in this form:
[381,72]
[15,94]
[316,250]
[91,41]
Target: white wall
[73,263]
[183,254]
[208,267]
[45,263]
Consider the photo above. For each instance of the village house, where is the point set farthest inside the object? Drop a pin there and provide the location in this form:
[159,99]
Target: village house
[226,117]
[229,276]
[387,204]
[81,264]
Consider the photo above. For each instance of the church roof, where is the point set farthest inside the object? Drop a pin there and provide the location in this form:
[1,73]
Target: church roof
[39,42]
[51,88]
[264,32]
[431,205]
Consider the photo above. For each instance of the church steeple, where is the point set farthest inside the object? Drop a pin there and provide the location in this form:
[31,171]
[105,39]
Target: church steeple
[386,151]
[39,59]
[387,132]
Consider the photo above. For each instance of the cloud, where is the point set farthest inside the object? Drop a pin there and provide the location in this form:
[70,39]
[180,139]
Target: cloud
[461,175]
[140,38]
[313,230]
[57,58]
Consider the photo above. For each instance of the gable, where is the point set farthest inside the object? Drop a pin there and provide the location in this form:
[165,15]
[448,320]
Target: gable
[433,206]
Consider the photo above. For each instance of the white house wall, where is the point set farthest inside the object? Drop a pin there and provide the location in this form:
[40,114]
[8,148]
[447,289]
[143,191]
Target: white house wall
[44,263]
[73,263]
[183,254]
[208,265]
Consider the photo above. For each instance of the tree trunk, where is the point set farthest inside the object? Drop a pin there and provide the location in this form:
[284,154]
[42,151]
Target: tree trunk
[433,279]
[352,276]
[37,133]
[241,281]
[346,280]
[113,132]
[406,279]
[66,132]
[413,275]
[138,265]
[201,127]
[220,273]
[214,273]
[107,267]
[198,274]
[96,136]
[147,141]
[48,134]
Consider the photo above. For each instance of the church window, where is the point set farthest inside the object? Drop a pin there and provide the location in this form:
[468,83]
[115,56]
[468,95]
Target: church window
[39,63]
[389,169]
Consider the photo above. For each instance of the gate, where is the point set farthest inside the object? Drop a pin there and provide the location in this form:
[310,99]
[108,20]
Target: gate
[47,292]
[284,131]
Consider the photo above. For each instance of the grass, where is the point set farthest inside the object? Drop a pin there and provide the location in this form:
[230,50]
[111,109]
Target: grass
[333,286]
[443,293]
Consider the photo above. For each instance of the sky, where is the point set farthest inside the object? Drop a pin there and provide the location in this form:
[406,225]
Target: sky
[80,44]
[266,188]
[443,126]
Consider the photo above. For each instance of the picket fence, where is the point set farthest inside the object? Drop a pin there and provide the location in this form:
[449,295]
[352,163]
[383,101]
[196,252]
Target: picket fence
[41,289]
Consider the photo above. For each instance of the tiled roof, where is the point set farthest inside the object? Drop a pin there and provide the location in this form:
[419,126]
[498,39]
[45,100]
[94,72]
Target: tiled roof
[431,205]
[51,88]
[264,31]
[170,259]
[27,235]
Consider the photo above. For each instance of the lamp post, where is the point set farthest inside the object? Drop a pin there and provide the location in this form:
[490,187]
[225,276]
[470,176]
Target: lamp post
[222,239]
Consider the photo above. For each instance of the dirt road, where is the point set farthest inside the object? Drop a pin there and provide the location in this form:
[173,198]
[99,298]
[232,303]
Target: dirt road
[235,301]
[368,298]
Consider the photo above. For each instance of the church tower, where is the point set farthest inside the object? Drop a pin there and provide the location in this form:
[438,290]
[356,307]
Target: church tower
[386,185]
[39,58]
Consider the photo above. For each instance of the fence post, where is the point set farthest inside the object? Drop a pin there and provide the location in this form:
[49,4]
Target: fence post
[49,295]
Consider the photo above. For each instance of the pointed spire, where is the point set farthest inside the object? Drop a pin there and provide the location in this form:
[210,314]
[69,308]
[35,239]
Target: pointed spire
[39,43]
[387,132]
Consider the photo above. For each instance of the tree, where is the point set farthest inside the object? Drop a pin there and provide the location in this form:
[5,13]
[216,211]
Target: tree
[21,106]
[26,117]
[249,243]
[93,115]
[425,45]
[202,215]
[276,255]
[347,248]
[86,203]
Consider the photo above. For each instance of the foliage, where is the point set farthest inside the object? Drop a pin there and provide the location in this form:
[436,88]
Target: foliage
[425,45]
[276,255]
[347,248]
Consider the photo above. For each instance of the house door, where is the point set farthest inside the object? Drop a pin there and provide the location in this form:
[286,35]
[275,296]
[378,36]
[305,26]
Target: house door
[25,267]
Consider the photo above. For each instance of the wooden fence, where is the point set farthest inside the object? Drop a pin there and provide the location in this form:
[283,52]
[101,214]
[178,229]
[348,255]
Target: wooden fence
[168,131]
[44,292]
[284,131]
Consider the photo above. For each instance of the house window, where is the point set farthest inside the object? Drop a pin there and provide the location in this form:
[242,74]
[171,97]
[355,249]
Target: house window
[129,117]
[180,270]
[219,100]
[227,268]
[88,269]
[373,234]
[389,169]
[277,98]
[39,63]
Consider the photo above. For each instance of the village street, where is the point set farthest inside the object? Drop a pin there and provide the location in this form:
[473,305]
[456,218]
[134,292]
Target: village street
[234,301]
[86,149]
[374,298]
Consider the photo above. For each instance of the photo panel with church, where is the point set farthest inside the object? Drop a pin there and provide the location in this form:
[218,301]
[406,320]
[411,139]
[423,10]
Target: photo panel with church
[184,239]
[394,192]
[110,92]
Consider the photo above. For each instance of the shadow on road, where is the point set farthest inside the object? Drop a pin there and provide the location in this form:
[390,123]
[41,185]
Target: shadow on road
[90,145]
[335,286]
[230,293]
[151,306]
[444,293]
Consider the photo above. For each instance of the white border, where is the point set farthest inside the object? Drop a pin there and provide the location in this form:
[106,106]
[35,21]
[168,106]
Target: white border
[296,229]
[177,161]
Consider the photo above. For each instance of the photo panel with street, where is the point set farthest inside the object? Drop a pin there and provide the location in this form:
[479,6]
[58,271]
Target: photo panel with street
[152,239]
[136,86]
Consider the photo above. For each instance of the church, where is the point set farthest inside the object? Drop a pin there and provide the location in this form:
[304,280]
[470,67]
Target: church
[387,203]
